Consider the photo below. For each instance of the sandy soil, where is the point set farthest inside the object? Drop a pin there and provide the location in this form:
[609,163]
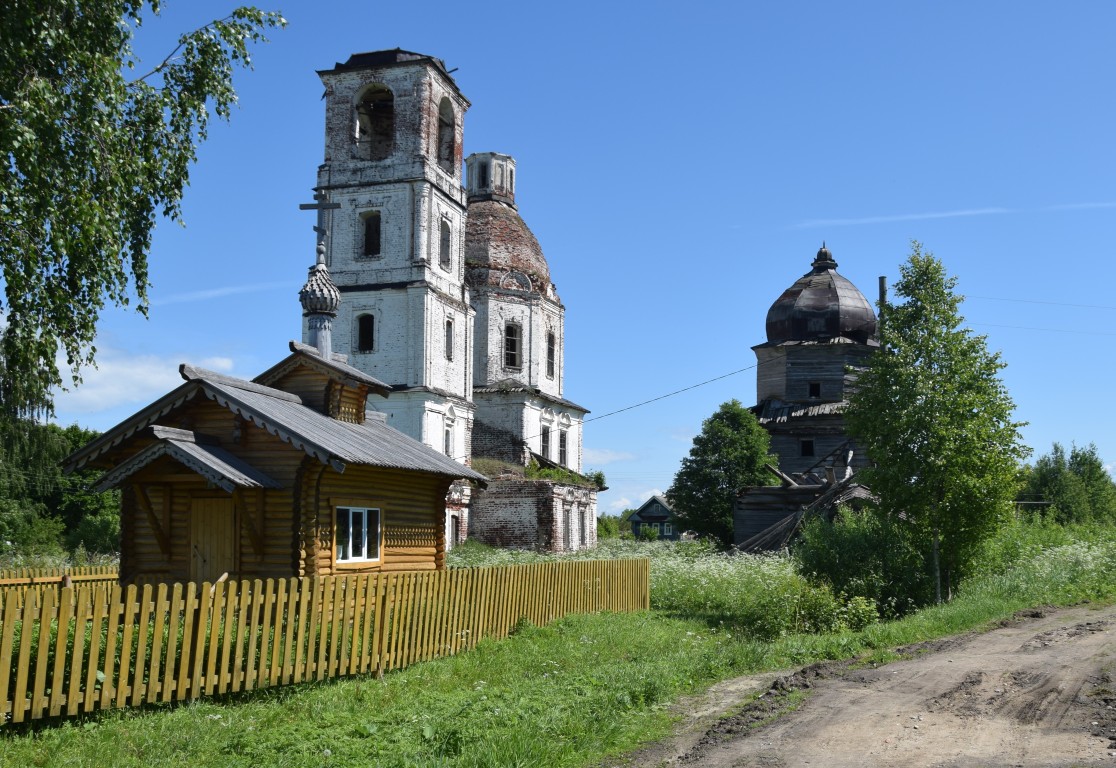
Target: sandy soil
[1037,691]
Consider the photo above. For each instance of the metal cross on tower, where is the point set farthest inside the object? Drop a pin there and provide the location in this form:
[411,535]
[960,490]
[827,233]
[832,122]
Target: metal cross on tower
[321,205]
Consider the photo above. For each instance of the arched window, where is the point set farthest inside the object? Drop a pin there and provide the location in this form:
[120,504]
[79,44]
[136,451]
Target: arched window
[444,248]
[447,135]
[449,339]
[448,441]
[551,353]
[513,357]
[366,333]
[375,129]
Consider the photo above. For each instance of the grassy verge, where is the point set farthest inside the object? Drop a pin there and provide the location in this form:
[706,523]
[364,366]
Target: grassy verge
[564,695]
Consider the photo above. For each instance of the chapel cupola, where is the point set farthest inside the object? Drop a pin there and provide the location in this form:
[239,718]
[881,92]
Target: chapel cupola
[821,306]
[320,299]
[490,176]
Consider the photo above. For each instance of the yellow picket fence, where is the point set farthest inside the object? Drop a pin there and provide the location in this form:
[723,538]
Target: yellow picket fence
[94,646]
[22,581]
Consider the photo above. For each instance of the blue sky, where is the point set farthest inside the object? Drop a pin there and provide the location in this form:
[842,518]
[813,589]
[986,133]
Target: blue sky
[680,164]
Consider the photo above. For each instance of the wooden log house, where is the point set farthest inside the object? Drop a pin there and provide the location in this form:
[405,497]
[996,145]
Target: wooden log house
[286,475]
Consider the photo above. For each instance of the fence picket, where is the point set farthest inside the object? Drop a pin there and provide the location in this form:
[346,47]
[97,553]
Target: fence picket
[178,642]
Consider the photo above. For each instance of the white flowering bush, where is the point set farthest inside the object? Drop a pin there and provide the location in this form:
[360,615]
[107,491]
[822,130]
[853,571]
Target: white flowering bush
[760,596]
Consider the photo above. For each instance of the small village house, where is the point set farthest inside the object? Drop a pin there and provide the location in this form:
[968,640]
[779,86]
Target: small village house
[286,475]
[655,514]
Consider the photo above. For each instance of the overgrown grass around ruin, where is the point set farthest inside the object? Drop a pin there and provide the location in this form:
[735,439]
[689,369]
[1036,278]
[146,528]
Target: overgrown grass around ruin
[569,694]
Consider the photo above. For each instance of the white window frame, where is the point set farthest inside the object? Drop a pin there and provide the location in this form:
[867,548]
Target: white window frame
[369,538]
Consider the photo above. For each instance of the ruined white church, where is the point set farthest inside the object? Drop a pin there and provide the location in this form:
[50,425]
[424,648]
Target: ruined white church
[446,296]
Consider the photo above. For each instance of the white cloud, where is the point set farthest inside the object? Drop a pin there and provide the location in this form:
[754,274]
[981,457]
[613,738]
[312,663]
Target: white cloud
[601,456]
[216,293]
[619,505]
[813,223]
[121,379]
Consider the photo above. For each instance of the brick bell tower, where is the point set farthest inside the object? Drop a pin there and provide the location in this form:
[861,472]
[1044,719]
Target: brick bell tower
[393,219]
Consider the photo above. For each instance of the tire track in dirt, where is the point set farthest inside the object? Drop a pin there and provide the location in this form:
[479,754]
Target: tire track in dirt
[1034,691]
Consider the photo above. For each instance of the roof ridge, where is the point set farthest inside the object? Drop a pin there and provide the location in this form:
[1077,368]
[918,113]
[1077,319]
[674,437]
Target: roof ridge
[191,373]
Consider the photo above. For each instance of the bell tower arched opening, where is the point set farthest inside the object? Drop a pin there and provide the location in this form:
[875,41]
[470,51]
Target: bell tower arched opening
[375,123]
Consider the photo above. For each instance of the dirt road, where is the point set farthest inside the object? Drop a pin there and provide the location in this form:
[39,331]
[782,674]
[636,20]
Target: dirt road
[1038,691]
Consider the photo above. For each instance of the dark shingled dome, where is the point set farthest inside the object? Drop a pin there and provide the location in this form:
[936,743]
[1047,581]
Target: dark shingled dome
[821,306]
[501,251]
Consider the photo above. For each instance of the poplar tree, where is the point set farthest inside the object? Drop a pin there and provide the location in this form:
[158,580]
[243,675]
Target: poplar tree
[95,149]
[937,423]
[728,455]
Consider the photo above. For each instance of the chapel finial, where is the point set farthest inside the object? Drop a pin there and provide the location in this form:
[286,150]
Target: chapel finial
[824,259]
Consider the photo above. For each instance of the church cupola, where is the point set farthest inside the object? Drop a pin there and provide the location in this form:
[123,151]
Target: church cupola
[490,176]
[821,306]
[320,300]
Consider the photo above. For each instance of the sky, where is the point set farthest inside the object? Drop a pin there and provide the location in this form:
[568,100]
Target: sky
[681,164]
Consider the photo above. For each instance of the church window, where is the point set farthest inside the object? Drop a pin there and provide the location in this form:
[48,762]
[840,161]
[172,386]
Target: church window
[482,174]
[511,180]
[807,447]
[372,234]
[544,448]
[815,389]
[446,135]
[375,130]
[449,339]
[551,351]
[366,333]
[562,443]
[357,534]
[444,249]
[512,346]
[447,432]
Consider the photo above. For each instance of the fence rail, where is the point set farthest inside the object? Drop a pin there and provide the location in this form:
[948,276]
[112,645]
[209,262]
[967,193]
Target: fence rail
[96,646]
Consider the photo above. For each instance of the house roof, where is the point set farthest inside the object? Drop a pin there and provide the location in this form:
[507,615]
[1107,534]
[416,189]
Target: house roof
[282,414]
[638,514]
[197,453]
[337,368]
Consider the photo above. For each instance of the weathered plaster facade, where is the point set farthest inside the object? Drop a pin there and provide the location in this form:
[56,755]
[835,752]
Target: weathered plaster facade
[445,292]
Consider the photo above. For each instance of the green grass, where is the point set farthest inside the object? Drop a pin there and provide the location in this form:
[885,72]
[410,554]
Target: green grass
[569,694]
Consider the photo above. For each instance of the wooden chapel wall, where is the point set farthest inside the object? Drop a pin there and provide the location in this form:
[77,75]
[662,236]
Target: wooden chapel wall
[412,507]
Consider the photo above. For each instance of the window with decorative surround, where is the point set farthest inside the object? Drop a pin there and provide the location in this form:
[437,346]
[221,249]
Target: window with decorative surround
[513,337]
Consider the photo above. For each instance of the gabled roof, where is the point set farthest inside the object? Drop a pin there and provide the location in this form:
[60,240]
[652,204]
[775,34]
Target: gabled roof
[638,514]
[282,414]
[197,453]
[336,368]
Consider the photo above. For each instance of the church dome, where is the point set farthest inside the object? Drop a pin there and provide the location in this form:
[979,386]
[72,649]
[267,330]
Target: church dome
[500,250]
[319,295]
[821,306]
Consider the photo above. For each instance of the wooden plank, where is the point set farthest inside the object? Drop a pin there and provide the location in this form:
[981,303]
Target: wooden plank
[302,622]
[188,657]
[82,606]
[348,638]
[255,625]
[58,678]
[27,617]
[216,613]
[240,629]
[141,645]
[228,625]
[125,667]
[38,684]
[158,618]
[94,662]
[200,638]
[292,629]
[114,606]
[174,660]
